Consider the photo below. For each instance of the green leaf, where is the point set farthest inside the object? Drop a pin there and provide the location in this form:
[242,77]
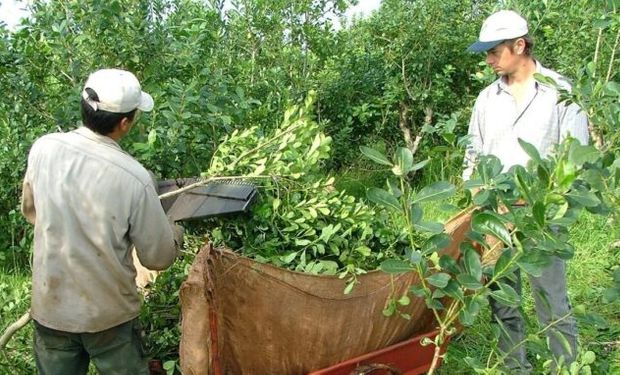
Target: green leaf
[302,242]
[448,263]
[611,295]
[419,165]
[583,197]
[482,197]
[375,155]
[556,206]
[383,198]
[469,282]
[418,290]
[364,250]
[523,183]
[613,87]
[588,358]
[404,159]
[434,304]
[440,280]
[429,227]
[561,337]
[390,309]
[506,295]
[601,23]
[487,223]
[395,266]
[286,259]
[436,243]
[473,183]
[545,79]
[349,287]
[471,262]
[543,175]
[170,366]
[415,257]
[436,191]
[501,265]
[488,168]
[594,178]
[404,300]
[533,262]
[531,151]
[466,318]
[469,312]
[453,290]
[539,213]
[416,213]
[580,154]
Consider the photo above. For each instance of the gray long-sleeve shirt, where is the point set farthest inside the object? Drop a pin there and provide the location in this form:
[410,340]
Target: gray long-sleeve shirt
[90,201]
[497,122]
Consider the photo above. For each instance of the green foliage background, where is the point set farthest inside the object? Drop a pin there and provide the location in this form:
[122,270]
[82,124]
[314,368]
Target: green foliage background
[212,70]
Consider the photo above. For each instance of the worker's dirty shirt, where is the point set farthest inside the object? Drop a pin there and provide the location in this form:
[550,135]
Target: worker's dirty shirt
[497,122]
[90,201]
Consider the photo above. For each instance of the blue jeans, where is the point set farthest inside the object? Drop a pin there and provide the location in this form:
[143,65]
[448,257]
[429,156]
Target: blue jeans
[552,285]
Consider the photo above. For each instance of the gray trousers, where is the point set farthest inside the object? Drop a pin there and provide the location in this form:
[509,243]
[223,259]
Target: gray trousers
[551,297]
[117,350]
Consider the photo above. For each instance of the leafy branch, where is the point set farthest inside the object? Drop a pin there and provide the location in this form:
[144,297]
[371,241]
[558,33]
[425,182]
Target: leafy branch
[527,210]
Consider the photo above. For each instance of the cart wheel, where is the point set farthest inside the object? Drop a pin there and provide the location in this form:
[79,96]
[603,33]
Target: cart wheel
[375,368]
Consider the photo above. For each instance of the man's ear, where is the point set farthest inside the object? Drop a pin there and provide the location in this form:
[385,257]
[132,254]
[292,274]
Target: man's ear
[519,46]
[125,125]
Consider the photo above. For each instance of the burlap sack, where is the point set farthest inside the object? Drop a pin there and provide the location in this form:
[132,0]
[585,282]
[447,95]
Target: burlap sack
[243,317]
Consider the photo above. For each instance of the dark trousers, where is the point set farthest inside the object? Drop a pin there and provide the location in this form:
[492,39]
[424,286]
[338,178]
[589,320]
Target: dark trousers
[115,351]
[552,304]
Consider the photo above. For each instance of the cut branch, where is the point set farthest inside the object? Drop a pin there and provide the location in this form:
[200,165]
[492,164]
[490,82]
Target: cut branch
[16,326]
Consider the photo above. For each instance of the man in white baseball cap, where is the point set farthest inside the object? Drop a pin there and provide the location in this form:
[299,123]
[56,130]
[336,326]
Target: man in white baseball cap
[90,203]
[499,27]
[517,106]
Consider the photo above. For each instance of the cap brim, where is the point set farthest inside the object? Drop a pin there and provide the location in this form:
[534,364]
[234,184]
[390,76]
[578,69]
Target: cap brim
[483,46]
[146,102]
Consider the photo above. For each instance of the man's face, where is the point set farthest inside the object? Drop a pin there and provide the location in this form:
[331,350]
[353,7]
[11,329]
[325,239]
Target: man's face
[502,59]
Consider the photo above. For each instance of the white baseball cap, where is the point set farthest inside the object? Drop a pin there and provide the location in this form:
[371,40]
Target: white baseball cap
[118,91]
[500,26]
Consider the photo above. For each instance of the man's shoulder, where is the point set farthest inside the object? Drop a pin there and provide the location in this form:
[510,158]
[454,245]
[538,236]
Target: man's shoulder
[558,78]
[48,140]
[493,88]
[113,157]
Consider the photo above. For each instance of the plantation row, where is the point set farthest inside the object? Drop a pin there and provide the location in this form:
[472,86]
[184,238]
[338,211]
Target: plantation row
[401,73]
[355,138]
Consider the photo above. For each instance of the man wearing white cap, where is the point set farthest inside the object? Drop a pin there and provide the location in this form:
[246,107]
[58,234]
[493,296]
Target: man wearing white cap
[517,106]
[90,202]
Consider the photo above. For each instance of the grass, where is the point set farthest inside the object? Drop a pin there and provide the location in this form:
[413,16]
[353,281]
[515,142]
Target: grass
[14,302]
[588,273]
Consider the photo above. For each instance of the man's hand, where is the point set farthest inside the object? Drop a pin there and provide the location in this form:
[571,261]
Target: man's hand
[179,233]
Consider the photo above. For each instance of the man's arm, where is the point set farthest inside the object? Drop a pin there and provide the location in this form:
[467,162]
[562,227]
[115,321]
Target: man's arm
[156,239]
[474,147]
[573,122]
[28,202]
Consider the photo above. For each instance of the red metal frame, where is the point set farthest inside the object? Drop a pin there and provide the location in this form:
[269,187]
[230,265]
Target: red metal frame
[409,357]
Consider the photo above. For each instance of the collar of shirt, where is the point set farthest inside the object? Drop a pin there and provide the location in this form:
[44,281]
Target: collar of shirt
[96,137]
[502,86]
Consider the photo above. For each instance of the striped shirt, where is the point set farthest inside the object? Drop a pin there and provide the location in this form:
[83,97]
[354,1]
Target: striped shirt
[497,122]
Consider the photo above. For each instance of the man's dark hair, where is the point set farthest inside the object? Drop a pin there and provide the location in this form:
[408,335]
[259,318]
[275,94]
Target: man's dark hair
[102,122]
[529,44]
